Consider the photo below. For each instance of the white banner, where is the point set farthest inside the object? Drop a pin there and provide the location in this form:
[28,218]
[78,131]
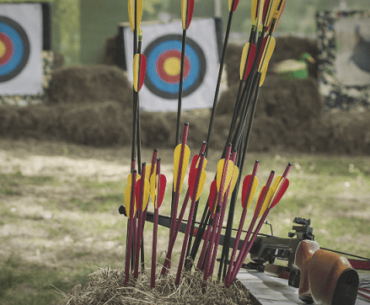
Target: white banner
[21,49]
[162,45]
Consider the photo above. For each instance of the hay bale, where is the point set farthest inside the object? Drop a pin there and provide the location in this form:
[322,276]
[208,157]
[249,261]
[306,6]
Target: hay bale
[90,84]
[58,60]
[96,124]
[9,118]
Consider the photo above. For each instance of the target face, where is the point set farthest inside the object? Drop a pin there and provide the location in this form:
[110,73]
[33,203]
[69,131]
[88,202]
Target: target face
[14,49]
[164,66]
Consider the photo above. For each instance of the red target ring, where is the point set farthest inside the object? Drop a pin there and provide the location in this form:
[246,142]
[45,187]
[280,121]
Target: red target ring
[6,49]
[169,64]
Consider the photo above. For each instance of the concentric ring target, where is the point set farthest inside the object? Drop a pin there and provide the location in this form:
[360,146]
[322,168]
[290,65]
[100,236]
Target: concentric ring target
[164,64]
[14,49]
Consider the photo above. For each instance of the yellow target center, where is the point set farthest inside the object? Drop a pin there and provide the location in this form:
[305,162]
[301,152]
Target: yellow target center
[172,66]
[2,49]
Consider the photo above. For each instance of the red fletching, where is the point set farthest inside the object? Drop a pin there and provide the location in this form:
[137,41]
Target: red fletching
[252,55]
[246,183]
[265,9]
[162,189]
[190,12]
[193,166]
[281,193]
[142,70]
[195,232]
[212,194]
[236,2]
[262,49]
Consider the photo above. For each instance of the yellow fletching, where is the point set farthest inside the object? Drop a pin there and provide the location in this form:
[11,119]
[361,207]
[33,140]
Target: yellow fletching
[127,201]
[153,186]
[129,179]
[275,187]
[184,8]
[273,6]
[260,14]
[267,201]
[253,191]
[136,71]
[229,173]
[131,13]
[176,164]
[254,12]
[263,77]
[234,179]
[243,62]
[267,53]
[202,182]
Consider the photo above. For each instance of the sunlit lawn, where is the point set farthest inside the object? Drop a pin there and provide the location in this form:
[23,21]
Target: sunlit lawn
[56,230]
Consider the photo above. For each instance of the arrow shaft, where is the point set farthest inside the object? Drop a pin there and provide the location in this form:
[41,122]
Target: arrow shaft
[155,226]
[191,213]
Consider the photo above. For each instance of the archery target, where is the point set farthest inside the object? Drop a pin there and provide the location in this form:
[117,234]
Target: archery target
[21,32]
[162,46]
[164,66]
[14,49]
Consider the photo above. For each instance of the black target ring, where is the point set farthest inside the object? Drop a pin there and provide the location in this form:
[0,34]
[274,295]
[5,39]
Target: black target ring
[195,60]
[16,38]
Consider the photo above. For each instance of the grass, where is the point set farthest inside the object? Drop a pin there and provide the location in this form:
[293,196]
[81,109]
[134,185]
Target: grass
[57,228]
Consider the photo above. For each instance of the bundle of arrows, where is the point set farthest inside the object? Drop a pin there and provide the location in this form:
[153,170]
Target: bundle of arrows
[146,181]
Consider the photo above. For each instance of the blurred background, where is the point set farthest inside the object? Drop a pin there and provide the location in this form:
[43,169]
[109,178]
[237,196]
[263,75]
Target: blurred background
[81,27]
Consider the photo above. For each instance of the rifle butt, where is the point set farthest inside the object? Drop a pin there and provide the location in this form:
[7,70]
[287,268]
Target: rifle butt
[326,277]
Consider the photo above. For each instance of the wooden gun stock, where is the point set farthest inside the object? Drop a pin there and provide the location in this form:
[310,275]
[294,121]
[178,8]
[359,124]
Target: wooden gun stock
[326,278]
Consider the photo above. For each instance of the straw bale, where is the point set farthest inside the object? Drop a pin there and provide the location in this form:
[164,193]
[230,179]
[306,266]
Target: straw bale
[96,124]
[106,286]
[90,84]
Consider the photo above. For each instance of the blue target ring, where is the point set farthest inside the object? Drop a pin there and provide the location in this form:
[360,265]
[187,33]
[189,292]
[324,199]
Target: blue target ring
[158,49]
[17,41]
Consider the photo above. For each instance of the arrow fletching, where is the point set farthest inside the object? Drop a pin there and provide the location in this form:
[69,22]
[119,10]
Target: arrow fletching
[270,7]
[246,184]
[131,13]
[261,6]
[233,7]
[176,165]
[263,77]
[162,189]
[229,173]
[202,181]
[266,202]
[234,179]
[194,165]
[145,193]
[267,53]
[254,12]
[246,63]
[187,9]
[212,194]
[284,187]
[278,14]
[129,179]
[139,71]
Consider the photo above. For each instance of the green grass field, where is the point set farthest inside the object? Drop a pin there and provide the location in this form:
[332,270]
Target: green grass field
[59,220]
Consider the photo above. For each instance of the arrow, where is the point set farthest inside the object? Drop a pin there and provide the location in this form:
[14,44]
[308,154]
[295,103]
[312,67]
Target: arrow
[131,214]
[233,6]
[243,253]
[142,197]
[246,63]
[139,71]
[250,228]
[250,184]
[270,8]
[191,184]
[187,8]
[135,13]
[277,15]
[200,175]
[157,201]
